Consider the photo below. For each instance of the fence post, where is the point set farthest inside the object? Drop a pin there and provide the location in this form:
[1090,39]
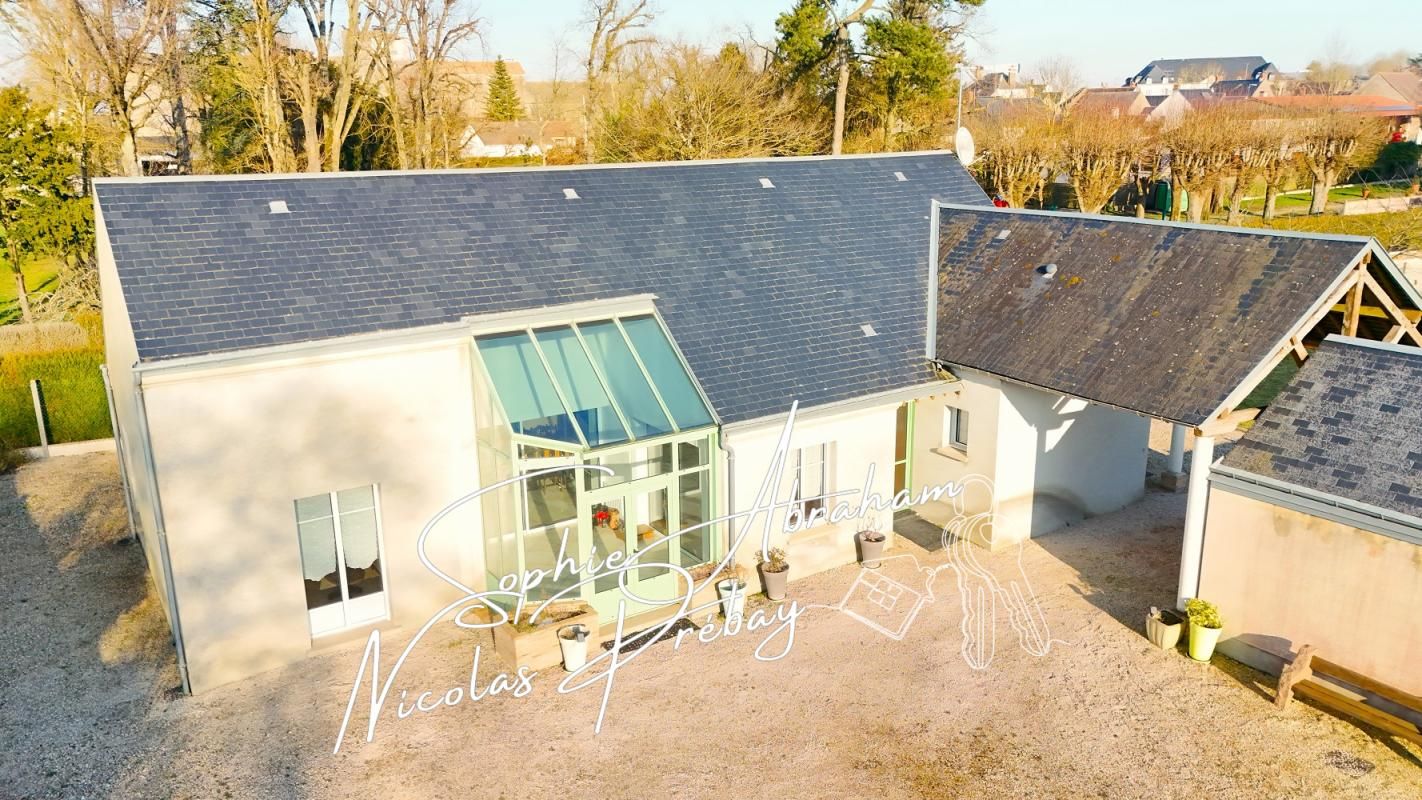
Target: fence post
[38,397]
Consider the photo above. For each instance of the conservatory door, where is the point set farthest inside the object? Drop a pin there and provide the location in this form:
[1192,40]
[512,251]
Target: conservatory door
[631,519]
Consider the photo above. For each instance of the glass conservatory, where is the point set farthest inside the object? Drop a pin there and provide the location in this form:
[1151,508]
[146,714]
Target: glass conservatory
[613,392]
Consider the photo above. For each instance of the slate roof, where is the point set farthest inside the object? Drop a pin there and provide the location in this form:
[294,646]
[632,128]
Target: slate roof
[1227,68]
[1162,319]
[1348,425]
[764,290]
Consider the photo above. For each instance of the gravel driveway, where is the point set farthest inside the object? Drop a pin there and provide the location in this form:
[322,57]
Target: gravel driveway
[88,706]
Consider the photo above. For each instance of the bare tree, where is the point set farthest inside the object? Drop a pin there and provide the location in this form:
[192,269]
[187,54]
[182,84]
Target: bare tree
[424,97]
[1333,141]
[260,69]
[1267,148]
[1099,151]
[616,26]
[1059,75]
[687,105]
[1202,147]
[326,82]
[118,37]
[1019,151]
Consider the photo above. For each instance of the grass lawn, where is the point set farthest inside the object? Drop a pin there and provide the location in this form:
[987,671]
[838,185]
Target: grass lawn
[1298,203]
[73,390]
[40,276]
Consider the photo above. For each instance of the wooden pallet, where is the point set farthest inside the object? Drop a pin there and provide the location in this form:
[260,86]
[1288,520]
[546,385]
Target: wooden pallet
[1298,678]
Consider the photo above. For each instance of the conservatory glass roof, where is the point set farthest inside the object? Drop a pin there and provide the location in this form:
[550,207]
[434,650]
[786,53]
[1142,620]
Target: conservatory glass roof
[593,384]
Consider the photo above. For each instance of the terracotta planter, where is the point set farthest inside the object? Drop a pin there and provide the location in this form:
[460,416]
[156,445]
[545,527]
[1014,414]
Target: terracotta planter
[870,551]
[1203,641]
[774,582]
[1163,629]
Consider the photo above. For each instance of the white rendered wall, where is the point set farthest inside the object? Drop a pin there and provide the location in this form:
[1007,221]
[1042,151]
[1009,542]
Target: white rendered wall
[1061,459]
[936,461]
[234,451]
[857,439]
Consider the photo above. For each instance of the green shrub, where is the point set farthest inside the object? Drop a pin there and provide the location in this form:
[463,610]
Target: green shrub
[1203,613]
[68,372]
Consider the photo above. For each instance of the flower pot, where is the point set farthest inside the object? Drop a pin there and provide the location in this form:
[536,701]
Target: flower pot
[871,547]
[733,597]
[1202,641]
[1163,629]
[774,582]
[573,641]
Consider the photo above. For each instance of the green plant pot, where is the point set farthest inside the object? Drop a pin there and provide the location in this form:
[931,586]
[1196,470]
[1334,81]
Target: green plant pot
[1203,641]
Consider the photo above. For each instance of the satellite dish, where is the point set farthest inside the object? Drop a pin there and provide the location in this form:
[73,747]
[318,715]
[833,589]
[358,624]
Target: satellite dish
[964,147]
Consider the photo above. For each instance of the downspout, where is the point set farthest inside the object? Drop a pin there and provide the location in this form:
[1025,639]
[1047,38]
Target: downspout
[730,484]
[164,560]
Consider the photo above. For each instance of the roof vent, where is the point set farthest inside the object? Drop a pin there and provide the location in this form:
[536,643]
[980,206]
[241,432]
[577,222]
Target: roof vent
[571,194]
[1048,269]
[766,184]
[1005,233]
[868,330]
[278,207]
[899,176]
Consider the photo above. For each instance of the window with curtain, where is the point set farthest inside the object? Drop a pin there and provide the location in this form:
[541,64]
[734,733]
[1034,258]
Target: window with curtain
[339,537]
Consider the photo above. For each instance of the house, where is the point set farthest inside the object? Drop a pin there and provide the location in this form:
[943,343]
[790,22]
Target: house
[1112,102]
[1163,75]
[314,377]
[1004,82]
[526,138]
[307,370]
[1405,88]
[1314,528]
[1401,116]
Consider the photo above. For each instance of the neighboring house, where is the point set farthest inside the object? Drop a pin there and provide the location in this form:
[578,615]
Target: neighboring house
[1113,102]
[524,138]
[1164,75]
[307,370]
[1010,107]
[1406,89]
[1314,530]
[1402,117]
[1005,82]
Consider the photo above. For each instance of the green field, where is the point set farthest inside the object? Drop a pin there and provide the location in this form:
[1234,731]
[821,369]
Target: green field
[1298,203]
[73,390]
[40,276]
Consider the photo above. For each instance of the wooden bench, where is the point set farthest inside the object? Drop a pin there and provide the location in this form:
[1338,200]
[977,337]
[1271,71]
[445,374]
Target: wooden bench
[1298,678]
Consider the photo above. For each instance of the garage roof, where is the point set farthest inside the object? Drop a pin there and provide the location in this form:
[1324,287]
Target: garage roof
[1164,319]
[765,270]
[1348,425]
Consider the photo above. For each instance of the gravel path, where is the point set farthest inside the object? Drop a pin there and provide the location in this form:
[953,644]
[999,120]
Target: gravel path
[88,709]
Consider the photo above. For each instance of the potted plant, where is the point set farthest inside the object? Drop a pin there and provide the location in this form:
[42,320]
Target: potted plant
[1163,628]
[871,543]
[573,641]
[774,572]
[529,641]
[1205,628]
[732,591]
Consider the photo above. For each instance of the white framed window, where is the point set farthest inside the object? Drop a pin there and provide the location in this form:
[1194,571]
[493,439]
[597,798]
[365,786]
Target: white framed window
[811,478]
[955,428]
[342,559]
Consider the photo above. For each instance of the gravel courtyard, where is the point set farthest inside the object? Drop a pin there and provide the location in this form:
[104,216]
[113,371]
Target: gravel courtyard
[88,707]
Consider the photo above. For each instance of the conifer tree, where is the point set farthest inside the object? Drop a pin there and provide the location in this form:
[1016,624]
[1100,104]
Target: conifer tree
[503,104]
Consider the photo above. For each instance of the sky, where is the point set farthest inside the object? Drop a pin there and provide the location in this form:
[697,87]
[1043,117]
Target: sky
[1106,39]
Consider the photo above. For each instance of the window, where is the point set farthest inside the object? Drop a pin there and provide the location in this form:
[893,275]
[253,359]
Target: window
[812,478]
[955,428]
[339,537]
